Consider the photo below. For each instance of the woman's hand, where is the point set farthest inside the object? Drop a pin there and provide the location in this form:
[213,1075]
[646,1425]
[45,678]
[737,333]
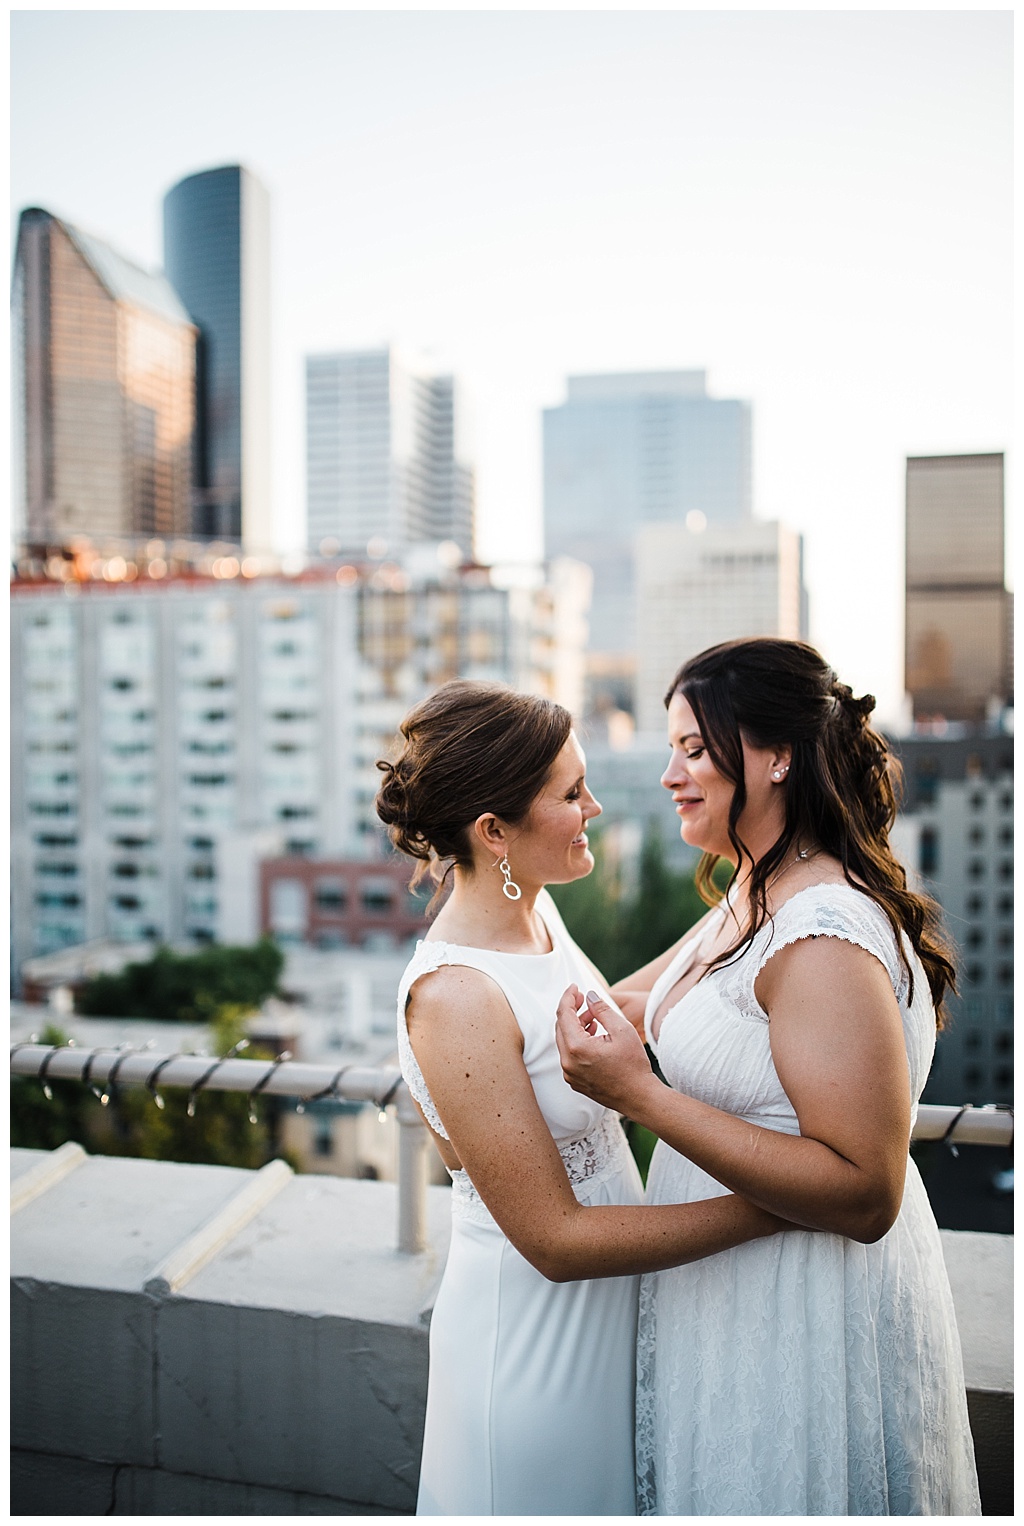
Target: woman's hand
[611,1067]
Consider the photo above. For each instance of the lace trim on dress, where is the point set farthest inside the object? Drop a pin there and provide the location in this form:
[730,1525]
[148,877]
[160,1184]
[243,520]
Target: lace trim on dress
[589,1160]
[427,958]
[820,911]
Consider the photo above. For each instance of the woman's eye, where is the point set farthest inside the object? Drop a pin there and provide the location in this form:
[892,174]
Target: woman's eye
[573,795]
[698,752]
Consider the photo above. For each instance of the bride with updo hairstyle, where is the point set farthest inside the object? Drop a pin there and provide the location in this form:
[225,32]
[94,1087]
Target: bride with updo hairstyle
[817,1372]
[533,1332]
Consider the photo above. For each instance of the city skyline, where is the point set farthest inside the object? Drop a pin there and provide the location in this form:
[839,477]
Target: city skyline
[813,207]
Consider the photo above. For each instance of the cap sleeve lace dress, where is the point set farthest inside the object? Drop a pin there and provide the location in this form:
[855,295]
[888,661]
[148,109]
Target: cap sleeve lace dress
[804,1374]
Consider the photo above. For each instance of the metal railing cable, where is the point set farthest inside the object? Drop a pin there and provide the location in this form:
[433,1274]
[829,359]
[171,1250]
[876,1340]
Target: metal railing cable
[306,1083]
[104,1068]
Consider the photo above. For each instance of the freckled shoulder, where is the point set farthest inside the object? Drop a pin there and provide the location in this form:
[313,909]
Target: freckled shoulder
[455,998]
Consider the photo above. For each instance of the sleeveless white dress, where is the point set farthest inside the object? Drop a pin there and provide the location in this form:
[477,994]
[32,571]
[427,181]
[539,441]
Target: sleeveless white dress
[531,1382]
[804,1374]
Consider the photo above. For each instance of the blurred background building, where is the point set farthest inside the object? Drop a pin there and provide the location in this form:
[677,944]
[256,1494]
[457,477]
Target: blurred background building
[624,451]
[170,732]
[385,456]
[958,610]
[698,584]
[217,258]
[103,390]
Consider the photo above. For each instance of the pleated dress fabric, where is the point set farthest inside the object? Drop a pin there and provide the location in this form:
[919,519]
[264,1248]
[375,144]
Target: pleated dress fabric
[531,1383]
[804,1374]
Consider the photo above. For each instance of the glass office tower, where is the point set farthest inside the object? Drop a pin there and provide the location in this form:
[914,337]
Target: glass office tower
[628,450]
[104,363]
[217,257]
[958,609]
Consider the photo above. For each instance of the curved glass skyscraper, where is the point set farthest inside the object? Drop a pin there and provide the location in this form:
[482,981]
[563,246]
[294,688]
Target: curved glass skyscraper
[217,257]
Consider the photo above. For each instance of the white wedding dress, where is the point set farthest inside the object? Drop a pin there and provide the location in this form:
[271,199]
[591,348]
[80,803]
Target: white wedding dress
[804,1374]
[530,1391]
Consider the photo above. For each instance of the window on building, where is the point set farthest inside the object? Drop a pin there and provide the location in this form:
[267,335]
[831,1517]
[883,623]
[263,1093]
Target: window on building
[1006,802]
[1006,834]
[377,895]
[1004,1043]
[975,905]
[1004,1075]
[1005,939]
[202,871]
[1006,906]
[330,895]
[976,835]
[972,1075]
[1006,869]
[975,938]
[975,974]
[1006,974]
[977,802]
[928,851]
[976,868]
[323,1137]
[973,1040]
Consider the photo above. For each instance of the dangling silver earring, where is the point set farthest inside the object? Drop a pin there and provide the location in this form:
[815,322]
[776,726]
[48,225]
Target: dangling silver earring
[510,888]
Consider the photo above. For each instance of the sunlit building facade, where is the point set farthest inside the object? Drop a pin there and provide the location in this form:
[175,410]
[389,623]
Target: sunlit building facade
[958,610]
[217,257]
[385,456]
[104,391]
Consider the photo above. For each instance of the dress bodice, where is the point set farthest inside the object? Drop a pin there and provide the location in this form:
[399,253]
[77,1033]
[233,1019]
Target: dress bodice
[588,1136]
[714,1043]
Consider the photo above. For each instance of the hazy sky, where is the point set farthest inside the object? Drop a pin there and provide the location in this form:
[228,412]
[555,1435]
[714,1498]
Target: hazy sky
[815,207]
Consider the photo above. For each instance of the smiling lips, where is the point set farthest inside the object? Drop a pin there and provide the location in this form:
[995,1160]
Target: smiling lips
[682,801]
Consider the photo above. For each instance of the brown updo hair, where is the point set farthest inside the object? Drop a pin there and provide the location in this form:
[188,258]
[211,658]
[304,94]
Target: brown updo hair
[841,792]
[470,748]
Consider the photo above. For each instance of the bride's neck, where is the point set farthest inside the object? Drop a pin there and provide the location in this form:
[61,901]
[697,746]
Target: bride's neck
[478,914]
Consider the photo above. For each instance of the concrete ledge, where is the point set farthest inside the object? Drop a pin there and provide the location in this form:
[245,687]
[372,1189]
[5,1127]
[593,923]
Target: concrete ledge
[45,1484]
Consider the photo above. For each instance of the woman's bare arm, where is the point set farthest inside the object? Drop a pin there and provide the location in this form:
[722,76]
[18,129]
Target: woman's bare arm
[469,1049]
[837,1042]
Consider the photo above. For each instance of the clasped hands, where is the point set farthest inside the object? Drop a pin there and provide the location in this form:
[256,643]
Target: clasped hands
[609,1066]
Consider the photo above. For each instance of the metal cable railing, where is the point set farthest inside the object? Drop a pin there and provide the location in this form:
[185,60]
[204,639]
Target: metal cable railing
[107,1069]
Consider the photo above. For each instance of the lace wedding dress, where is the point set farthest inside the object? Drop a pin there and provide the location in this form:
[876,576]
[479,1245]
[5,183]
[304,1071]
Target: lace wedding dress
[530,1392]
[804,1374]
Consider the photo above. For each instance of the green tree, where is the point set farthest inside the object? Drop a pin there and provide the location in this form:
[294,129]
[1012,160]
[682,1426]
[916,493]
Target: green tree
[621,931]
[219,986]
[187,988]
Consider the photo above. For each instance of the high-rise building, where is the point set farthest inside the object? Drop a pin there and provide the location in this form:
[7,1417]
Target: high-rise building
[384,454]
[104,384]
[167,734]
[958,610]
[699,586]
[955,833]
[217,257]
[627,450]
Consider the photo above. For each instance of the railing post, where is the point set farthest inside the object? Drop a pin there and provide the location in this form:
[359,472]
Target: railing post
[413,1145]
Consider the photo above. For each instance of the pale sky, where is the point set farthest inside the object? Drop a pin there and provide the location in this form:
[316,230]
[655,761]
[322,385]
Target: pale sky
[815,207]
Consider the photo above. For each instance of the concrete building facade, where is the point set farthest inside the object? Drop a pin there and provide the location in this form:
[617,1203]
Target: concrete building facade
[385,457]
[956,835]
[168,735]
[104,391]
[699,586]
[958,610]
[217,257]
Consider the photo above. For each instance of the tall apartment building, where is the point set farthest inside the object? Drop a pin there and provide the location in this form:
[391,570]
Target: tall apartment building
[166,734]
[104,390]
[697,587]
[384,456]
[625,451]
[217,257]
[955,832]
[958,611]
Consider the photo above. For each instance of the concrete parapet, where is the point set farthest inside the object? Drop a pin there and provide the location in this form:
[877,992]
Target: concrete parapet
[285,1374]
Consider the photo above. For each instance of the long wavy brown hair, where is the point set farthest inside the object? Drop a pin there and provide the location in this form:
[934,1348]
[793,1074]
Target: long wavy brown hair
[841,792]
